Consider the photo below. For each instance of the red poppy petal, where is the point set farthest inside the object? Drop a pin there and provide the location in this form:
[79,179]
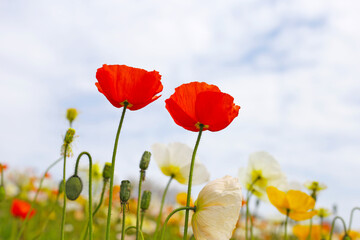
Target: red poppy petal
[185,95]
[180,117]
[216,109]
[114,103]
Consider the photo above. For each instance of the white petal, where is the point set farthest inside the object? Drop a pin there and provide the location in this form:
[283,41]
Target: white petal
[160,154]
[180,154]
[217,209]
[200,174]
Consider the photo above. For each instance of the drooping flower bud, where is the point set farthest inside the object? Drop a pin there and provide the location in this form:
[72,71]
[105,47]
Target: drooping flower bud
[71,114]
[145,160]
[125,191]
[107,171]
[69,136]
[2,193]
[73,187]
[145,200]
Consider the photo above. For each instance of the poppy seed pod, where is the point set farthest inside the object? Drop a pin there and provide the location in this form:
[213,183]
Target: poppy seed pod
[145,160]
[107,171]
[145,200]
[71,114]
[73,187]
[125,189]
[69,136]
[2,193]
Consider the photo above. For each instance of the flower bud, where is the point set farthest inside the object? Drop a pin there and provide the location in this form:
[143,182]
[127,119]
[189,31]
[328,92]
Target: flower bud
[145,200]
[71,114]
[69,136]
[73,187]
[61,187]
[125,189]
[107,171]
[2,193]
[145,160]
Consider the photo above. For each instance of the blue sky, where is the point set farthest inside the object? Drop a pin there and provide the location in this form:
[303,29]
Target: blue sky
[292,66]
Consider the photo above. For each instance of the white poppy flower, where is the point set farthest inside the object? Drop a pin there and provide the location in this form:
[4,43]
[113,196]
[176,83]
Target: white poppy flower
[217,209]
[175,159]
[262,171]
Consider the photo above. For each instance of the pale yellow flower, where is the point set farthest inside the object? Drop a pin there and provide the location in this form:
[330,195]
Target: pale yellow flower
[315,186]
[262,171]
[217,209]
[174,160]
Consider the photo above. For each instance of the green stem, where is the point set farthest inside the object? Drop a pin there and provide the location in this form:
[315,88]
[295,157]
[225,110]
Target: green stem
[64,205]
[321,226]
[333,225]
[133,227]
[24,224]
[113,171]
[310,229]
[351,216]
[162,205]
[142,173]
[170,215]
[123,221]
[249,194]
[190,181]
[286,222]
[85,231]
[142,219]
[48,219]
[90,189]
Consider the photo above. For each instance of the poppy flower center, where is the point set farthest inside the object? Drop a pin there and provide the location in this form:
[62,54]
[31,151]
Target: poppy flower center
[129,105]
[198,125]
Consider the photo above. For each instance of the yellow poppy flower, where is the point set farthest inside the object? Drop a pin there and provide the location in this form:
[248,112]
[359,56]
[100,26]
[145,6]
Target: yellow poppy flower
[181,199]
[217,209]
[295,204]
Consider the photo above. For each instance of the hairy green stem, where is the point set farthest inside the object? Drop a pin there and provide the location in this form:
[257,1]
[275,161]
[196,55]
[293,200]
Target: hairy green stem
[170,215]
[249,194]
[85,231]
[158,221]
[351,217]
[190,181]
[108,224]
[90,223]
[2,175]
[64,205]
[333,225]
[142,174]
[123,221]
[142,219]
[286,222]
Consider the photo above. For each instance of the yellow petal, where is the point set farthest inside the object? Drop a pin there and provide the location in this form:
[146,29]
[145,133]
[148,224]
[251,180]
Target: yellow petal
[300,216]
[300,201]
[277,198]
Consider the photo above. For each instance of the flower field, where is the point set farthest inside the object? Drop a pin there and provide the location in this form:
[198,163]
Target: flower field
[88,204]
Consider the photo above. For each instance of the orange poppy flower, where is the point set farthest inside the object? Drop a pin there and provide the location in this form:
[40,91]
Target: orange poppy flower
[21,208]
[198,103]
[120,84]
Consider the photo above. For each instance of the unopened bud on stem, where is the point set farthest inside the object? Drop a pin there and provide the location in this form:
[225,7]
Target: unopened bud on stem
[125,191]
[73,187]
[107,171]
[145,200]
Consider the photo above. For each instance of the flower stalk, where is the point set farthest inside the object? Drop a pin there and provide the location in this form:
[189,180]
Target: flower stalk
[113,171]
[188,199]
[333,225]
[162,204]
[170,215]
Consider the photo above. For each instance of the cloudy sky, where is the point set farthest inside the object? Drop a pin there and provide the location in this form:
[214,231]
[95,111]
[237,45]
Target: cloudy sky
[292,66]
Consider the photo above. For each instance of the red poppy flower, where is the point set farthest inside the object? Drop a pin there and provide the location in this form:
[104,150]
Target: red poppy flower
[21,208]
[3,167]
[120,84]
[198,103]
